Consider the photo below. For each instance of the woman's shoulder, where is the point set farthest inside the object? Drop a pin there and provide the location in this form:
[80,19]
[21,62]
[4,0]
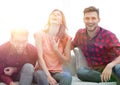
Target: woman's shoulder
[39,33]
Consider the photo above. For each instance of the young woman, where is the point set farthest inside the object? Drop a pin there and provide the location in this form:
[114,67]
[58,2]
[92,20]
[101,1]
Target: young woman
[53,45]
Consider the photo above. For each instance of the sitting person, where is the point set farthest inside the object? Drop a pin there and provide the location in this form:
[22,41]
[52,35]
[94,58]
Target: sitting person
[17,59]
[100,47]
[53,45]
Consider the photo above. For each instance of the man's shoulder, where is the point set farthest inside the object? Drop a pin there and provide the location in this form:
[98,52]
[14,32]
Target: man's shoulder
[38,35]
[31,49]
[106,31]
[29,45]
[5,45]
[4,48]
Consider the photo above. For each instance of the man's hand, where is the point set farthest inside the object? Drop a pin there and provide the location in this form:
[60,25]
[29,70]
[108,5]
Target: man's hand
[106,74]
[10,70]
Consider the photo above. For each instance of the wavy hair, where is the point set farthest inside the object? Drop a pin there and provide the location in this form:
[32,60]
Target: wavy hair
[62,28]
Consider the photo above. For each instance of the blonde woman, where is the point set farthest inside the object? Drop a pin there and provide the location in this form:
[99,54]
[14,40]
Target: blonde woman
[53,45]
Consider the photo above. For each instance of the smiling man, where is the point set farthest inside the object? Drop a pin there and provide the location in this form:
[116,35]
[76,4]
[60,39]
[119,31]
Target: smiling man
[100,47]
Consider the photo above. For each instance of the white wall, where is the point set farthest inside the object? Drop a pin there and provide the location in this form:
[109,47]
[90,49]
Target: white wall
[33,15]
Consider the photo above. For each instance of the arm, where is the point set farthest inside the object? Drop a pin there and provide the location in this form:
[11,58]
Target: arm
[115,62]
[4,78]
[114,45]
[41,62]
[5,75]
[106,74]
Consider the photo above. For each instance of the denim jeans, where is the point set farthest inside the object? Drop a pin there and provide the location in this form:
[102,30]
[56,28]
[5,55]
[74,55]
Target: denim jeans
[40,78]
[90,75]
[63,78]
[26,75]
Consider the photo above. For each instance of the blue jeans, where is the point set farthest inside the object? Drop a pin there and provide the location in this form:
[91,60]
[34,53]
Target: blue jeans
[40,78]
[87,74]
[26,75]
[63,78]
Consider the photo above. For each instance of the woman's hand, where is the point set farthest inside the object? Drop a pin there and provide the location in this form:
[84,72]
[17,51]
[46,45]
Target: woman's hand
[51,80]
[54,43]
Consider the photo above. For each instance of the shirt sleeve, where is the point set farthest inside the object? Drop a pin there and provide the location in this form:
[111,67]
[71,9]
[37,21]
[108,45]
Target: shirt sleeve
[5,79]
[114,44]
[1,69]
[75,40]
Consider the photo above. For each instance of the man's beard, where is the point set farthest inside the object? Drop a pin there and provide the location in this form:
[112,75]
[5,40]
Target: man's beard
[92,29]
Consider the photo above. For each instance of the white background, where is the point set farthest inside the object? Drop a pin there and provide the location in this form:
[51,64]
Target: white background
[33,15]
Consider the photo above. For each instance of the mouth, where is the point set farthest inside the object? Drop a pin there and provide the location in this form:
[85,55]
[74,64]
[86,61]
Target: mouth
[90,24]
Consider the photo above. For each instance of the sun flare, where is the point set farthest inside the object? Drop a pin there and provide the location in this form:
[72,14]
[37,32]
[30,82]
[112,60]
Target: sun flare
[33,15]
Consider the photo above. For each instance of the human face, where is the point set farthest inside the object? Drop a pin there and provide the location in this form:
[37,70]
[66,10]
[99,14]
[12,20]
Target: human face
[91,21]
[19,42]
[56,18]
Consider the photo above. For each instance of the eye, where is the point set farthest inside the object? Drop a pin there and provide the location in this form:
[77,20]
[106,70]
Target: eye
[90,18]
[87,18]
[93,18]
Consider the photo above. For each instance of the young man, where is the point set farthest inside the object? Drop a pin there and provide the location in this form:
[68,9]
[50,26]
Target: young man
[17,59]
[100,47]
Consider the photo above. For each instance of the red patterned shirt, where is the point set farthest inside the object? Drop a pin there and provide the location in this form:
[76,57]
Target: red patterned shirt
[103,48]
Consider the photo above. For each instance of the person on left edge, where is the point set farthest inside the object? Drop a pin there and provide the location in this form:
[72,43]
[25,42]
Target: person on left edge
[17,59]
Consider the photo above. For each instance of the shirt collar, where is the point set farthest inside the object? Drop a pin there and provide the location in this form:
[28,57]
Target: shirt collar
[97,32]
[12,50]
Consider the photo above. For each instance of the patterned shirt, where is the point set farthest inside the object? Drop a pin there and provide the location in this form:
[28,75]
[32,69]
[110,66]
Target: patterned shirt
[103,48]
[10,58]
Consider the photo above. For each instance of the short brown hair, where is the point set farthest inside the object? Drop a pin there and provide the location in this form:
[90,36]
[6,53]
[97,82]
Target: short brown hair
[91,9]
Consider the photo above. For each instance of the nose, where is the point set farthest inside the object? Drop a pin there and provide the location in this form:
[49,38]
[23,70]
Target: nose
[55,14]
[90,20]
